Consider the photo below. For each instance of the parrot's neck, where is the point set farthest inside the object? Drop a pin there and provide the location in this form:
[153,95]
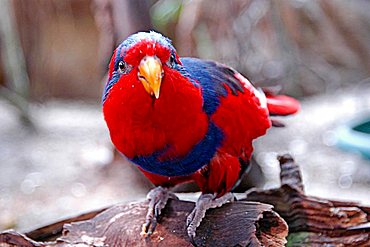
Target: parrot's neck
[141,125]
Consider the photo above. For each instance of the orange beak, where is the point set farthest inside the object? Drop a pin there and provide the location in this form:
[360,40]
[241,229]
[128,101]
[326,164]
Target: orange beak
[150,74]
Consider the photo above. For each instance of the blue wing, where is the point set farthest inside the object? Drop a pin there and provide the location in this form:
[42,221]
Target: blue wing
[213,78]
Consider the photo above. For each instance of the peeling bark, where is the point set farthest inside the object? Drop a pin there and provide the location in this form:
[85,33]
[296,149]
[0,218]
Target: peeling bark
[238,223]
[312,221]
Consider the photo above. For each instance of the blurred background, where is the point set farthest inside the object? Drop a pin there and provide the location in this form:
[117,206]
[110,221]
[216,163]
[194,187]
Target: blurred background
[56,159]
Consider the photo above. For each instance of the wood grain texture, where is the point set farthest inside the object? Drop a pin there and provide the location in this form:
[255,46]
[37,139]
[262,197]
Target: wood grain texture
[314,221]
[235,224]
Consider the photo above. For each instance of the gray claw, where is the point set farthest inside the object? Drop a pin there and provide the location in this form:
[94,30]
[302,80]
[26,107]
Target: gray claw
[205,202]
[158,198]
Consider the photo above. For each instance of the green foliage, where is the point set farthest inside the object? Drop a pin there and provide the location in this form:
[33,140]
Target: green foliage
[297,239]
[165,13]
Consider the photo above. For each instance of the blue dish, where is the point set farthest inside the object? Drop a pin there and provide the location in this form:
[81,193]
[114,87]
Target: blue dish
[355,135]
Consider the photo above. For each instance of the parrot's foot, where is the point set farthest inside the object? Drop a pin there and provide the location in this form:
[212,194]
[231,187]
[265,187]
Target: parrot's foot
[205,202]
[158,198]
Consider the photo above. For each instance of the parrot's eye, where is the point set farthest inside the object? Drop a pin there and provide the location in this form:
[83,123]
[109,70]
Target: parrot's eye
[171,61]
[123,67]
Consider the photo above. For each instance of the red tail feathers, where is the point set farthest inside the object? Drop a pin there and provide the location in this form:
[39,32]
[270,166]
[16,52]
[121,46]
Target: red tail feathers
[282,105]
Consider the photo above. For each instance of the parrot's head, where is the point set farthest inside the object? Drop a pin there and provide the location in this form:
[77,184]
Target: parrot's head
[144,57]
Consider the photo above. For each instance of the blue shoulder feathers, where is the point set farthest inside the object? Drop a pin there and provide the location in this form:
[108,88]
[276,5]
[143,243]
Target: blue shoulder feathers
[213,78]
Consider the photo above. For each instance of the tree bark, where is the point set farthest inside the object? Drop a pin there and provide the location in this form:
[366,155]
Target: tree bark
[312,222]
[235,224]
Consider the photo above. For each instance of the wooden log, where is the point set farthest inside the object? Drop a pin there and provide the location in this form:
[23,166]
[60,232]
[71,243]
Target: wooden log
[314,221]
[13,238]
[238,223]
[53,231]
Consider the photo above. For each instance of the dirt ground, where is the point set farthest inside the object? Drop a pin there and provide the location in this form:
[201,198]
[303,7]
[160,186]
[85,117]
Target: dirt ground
[65,166]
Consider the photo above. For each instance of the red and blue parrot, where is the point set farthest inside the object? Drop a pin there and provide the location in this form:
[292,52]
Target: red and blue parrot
[184,119]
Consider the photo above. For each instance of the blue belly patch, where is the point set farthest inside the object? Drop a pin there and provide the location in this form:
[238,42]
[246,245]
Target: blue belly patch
[198,157]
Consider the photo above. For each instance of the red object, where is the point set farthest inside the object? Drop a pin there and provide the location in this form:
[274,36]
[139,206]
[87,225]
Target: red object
[282,105]
[201,125]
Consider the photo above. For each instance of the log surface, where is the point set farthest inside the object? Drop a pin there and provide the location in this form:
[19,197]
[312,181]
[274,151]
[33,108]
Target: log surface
[312,222]
[237,223]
